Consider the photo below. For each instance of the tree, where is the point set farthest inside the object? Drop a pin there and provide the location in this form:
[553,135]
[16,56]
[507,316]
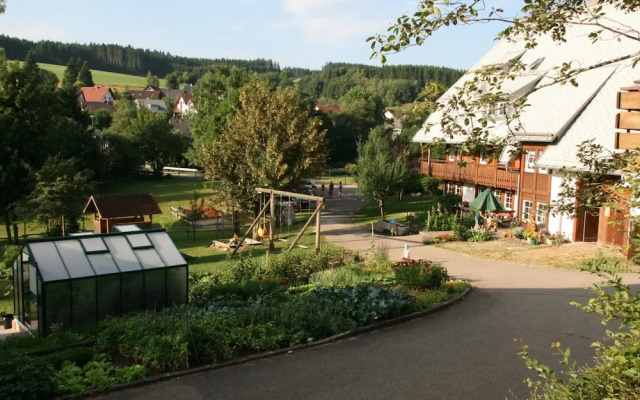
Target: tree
[152,80]
[270,141]
[216,98]
[84,75]
[60,191]
[70,73]
[379,172]
[172,81]
[366,109]
[150,133]
[28,109]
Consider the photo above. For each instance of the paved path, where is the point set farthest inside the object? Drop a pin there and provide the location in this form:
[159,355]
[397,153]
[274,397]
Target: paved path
[464,352]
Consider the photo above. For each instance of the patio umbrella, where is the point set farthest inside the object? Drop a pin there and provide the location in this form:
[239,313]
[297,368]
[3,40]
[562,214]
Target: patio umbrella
[486,201]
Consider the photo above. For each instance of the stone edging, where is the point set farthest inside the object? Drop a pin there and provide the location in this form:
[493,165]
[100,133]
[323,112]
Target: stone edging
[210,367]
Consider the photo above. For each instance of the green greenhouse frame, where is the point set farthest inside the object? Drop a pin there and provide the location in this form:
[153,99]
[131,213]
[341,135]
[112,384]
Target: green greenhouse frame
[77,281]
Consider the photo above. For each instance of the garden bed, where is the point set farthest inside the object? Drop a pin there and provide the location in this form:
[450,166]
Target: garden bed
[256,308]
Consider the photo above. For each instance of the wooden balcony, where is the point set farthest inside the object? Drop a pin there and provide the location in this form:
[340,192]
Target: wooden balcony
[485,175]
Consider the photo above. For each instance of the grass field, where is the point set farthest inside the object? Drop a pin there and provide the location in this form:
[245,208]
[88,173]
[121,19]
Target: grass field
[105,78]
[202,257]
[370,212]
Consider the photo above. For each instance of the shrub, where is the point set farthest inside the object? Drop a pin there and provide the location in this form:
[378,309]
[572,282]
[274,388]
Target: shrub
[420,274]
[79,355]
[449,202]
[413,183]
[25,377]
[440,221]
[430,186]
[344,276]
[480,235]
[96,374]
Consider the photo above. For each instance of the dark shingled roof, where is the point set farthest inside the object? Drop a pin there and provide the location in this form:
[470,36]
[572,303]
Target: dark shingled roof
[122,205]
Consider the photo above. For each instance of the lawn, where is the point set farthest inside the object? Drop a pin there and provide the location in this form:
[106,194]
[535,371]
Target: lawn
[105,78]
[176,192]
[168,192]
[370,212]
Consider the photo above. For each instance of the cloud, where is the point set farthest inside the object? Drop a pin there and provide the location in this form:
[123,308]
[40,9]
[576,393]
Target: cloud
[335,22]
[33,31]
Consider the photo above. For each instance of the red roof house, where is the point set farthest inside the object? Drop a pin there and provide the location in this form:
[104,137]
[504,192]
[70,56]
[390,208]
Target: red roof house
[96,97]
[184,104]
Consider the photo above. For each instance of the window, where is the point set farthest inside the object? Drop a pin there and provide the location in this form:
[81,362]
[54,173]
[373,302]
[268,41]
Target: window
[541,214]
[544,171]
[526,210]
[458,190]
[452,155]
[529,161]
[508,201]
[483,159]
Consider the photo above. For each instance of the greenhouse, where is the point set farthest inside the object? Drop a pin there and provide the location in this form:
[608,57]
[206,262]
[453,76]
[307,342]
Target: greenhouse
[75,282]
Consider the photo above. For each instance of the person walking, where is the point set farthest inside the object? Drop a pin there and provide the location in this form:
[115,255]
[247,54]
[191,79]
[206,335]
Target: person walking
[331,189]
[340,189]
[322,189]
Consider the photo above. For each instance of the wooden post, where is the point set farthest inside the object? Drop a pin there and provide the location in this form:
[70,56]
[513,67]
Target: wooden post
[304,228]
[318,216]
[271,220]
[255,222]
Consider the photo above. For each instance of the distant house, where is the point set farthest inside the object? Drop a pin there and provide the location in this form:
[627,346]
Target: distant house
[96,98]
[152,105]
[184,104]
[392,122]
[328,108]
[182,125]
[174,93]
[110,210]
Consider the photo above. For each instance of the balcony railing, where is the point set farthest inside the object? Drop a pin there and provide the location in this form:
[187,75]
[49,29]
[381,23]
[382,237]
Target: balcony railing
[486,175]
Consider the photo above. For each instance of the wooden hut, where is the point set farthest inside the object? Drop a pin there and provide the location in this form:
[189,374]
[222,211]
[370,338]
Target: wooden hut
[120,209]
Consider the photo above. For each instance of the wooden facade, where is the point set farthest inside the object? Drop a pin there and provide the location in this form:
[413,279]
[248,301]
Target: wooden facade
[110,210]
[476,170]
[535,185]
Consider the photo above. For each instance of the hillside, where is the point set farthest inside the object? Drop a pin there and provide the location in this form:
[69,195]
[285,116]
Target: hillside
[112,79]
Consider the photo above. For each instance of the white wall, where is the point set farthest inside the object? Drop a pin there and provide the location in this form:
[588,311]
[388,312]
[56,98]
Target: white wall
[107,97]
[559,223]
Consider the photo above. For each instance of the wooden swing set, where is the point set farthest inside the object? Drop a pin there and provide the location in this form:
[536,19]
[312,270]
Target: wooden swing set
[271,204]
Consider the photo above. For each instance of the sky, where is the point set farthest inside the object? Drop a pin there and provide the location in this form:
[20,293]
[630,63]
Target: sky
[294,33]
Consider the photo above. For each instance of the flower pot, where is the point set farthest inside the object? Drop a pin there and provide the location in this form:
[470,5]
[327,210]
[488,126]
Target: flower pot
[8,319]
[533,241]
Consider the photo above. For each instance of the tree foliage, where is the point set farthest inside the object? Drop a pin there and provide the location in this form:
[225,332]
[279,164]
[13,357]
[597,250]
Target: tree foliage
[379,172]
[270,141]
[217,100]
[152,80]
[60,191]
[154,139]
[84,75]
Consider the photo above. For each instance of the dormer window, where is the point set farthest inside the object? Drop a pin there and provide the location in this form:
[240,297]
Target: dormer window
[534,65]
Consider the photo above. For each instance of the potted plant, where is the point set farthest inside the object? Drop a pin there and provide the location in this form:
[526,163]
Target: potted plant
[533,238]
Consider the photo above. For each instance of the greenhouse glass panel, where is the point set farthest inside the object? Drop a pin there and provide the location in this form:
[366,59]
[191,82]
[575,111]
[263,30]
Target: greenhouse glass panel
[132,292]
[122,254]
[166,249]
[149,259]
[52,268]
[58,304]
[154,289]
[139,240]
[74,259]
[83,298]
[109,296]
[103,264]
[93,245]
[32,312]
[176,286]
